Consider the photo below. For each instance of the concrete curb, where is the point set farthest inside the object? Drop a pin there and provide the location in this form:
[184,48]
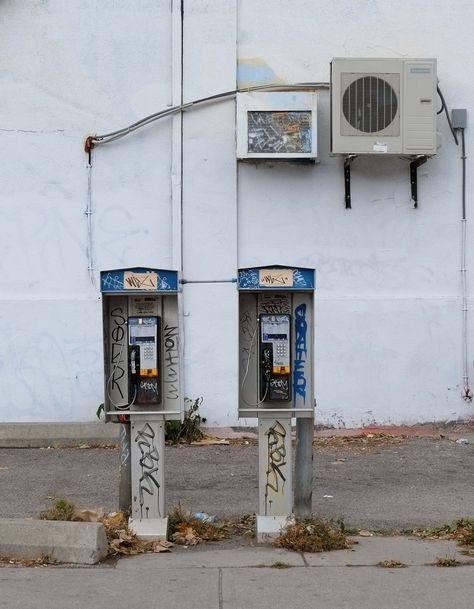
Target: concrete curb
[37,435]
[69,542]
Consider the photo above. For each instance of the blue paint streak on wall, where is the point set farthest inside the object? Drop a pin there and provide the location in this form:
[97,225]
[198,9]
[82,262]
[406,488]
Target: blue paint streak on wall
[301,330]
[251,72]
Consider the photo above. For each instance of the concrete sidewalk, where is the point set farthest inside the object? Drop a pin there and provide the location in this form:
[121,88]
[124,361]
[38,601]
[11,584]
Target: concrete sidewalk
[248,577]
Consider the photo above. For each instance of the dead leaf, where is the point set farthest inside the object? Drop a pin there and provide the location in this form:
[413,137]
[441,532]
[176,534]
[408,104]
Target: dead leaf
[186,535]
[88,515]
[161,545]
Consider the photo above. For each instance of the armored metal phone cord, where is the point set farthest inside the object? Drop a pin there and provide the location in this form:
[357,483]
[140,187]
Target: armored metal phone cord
[247,371]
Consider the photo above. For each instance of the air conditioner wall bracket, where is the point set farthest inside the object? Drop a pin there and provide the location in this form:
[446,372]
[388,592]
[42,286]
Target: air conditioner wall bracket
[414,164]
[347,179]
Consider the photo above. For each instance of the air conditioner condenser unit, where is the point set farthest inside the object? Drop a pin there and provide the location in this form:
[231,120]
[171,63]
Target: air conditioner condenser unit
[383,106]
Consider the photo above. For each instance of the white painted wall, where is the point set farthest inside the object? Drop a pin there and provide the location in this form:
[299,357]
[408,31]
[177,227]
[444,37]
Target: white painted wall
[388,309]
[68,70]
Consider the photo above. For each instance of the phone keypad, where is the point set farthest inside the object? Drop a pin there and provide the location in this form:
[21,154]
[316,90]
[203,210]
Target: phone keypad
[148,352]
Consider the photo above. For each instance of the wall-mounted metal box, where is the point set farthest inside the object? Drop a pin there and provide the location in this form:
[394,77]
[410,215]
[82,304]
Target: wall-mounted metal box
[277,125]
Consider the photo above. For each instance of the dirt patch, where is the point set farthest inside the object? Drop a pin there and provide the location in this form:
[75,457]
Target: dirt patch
[360,443]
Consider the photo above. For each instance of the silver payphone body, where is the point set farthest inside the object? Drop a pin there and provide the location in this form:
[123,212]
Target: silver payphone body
[142,378]
[276,376]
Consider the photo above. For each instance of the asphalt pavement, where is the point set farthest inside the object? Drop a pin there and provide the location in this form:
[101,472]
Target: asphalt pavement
[399,483]
[396,483]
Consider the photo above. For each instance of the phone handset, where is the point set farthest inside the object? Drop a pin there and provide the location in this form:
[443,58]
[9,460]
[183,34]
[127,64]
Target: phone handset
[266,360]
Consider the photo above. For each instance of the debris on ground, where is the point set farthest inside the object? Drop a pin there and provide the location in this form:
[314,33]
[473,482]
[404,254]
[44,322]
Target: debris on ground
[88,515]
[461,530]
[241,525]
[313,535]
[360,442]
[42,561]
[123,541]
[188,529]
[210,441]
[204,517]
[120,538]
[391,564]
[447,561]
[244,441]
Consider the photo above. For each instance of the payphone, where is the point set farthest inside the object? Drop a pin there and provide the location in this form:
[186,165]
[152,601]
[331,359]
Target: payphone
[274,355]
[275,341]
[275,376]
[142,350]
[142,378]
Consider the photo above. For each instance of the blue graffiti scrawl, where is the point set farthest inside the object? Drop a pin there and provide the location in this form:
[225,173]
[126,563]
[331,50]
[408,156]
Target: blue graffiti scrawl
[301,328]
[248,278]
[298,279]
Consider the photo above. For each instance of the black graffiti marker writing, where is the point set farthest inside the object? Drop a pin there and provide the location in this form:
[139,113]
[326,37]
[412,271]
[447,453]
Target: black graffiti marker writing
[118,349]
[149,459]
[171,362]
[276,460]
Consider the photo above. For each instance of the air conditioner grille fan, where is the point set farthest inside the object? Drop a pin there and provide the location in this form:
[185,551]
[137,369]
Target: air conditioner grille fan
[370,103]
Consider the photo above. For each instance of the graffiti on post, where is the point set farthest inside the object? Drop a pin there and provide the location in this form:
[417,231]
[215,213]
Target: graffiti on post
[149,459]
[171,362]
[276,460]
[301,348]
[117,383]
[274,304]
[124,449]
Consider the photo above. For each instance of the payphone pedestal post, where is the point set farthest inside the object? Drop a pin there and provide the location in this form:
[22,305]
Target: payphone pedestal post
[142,383]
[148,519]
[276,382]
[275,496]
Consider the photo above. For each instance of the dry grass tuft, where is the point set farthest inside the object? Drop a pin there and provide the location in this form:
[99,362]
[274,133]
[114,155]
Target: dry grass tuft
[313,535]
[62,509]
[186,529]
[461,530]
[447,561]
